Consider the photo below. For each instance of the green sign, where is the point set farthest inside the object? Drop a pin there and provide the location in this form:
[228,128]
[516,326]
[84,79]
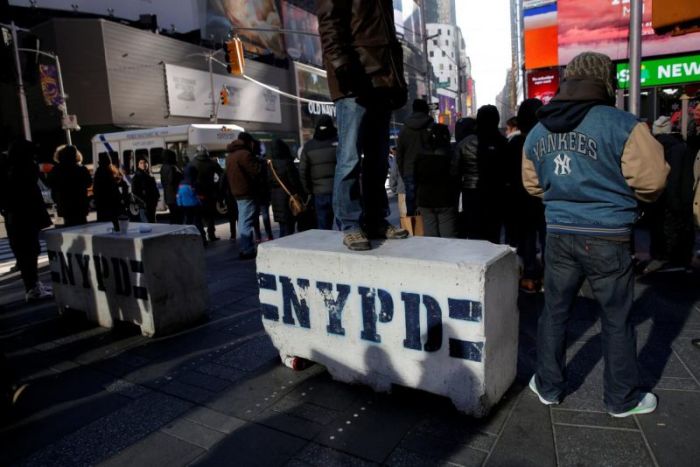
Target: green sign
[663,71]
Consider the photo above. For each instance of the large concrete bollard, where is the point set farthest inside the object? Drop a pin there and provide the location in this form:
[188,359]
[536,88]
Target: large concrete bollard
[434,314]
[153,276]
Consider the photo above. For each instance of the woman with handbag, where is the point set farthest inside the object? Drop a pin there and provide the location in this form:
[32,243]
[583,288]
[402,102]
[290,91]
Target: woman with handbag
[286,193]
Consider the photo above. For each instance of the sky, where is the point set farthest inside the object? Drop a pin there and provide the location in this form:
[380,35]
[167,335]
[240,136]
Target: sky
[486,28]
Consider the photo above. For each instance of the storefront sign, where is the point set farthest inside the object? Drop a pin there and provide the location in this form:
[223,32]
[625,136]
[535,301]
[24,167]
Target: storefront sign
[663,71]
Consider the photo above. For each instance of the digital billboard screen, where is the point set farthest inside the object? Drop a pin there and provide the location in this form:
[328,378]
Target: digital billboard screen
[603,26]
[302,47]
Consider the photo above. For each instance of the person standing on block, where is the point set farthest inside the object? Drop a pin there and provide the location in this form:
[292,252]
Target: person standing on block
[591,162]
[364,62]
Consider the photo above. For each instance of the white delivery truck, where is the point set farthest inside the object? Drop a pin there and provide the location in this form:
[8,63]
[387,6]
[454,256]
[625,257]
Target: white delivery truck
[127,147]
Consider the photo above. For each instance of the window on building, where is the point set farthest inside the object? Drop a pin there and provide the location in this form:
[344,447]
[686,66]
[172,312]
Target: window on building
[435,42]
[439,31]
[444,54]
[447,42]
[449,31]
[442,66]
[450,67]
[432,54]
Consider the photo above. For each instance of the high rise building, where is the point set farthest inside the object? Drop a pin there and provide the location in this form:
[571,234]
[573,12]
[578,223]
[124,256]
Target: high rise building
[440,11]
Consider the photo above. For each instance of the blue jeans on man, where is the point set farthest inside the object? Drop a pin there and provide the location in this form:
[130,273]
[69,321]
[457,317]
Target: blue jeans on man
[607,264]
[246,216]
[324,211]
[359,196]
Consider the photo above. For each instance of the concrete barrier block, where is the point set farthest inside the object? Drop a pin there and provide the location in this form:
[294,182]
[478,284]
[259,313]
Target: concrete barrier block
[153,276]
[434,314]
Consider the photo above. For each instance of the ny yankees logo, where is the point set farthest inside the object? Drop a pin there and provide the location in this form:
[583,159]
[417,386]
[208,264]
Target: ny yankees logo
[563,165]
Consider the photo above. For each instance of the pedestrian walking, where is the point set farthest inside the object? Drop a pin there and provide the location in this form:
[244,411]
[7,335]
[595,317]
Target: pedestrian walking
[317,170]
[208,171]
[591,162]
[22,206]
[243,171]
[409,145]
[262,196]
[106,191]
[364,63]
[145,191]
[170,178]
[69,181]
[468,174]
[188,201]
[284,182]
[437,190]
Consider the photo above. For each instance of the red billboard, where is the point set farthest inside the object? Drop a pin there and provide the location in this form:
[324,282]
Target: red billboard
[542,84]
[603,26]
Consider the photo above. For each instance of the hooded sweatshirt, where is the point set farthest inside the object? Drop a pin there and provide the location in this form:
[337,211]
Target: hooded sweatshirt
[318,159]
[410,142]
[591,162]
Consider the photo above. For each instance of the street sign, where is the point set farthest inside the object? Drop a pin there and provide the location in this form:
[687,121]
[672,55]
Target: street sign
[70,122]
[663,71]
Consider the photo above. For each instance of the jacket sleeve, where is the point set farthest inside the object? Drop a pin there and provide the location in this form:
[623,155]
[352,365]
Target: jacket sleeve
[334,28]
[530,180]
[643,164]
[305,170]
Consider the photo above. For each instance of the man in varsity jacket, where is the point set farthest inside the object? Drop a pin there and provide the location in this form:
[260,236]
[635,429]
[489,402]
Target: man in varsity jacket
[591,163]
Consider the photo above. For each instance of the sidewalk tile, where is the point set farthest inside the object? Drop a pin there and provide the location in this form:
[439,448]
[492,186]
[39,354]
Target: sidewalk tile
[320,456]
[193,433]
[578,446]
[595,419]
[214,420]
[156,450]
[253,445]
[222,371]
[201,380]
[255,353]
[188,392]
[672,431]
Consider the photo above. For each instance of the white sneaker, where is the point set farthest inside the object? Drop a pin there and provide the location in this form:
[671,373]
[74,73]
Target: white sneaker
[646,405]
[38,292]
[533,387]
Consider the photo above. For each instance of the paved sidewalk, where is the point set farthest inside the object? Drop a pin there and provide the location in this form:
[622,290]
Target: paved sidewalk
[218,395]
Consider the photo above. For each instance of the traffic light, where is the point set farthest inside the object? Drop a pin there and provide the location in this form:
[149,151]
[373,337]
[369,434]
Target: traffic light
[223,96]
[235,57]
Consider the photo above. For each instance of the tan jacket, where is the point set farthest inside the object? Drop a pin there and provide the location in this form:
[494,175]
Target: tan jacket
[643,166]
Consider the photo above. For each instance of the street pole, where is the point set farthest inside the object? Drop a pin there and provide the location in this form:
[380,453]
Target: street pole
[214,113]
[635,97]
[424,33]
[64,104]
[20,87]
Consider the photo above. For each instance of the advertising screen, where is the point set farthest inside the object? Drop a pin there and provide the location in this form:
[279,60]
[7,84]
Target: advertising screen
[540,41]
[542,85]
[301,47]
[448,111]
[603,26]
[249,20]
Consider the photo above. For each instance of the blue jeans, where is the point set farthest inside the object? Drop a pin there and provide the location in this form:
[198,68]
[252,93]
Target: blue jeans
[246,216]
[607,264]
[410,187]
[359,196]
[324,211]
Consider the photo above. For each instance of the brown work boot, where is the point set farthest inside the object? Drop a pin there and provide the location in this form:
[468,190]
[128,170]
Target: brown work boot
[388,232]
[356,241]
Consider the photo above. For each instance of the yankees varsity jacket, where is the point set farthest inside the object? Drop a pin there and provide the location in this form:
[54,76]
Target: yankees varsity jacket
[591,162]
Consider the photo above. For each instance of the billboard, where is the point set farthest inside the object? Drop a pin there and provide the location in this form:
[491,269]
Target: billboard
[301,47]
[447,106]
[540,36]
[663,71]
[542,85]
[603,26]
[189,95]
[249,20]
[312,84]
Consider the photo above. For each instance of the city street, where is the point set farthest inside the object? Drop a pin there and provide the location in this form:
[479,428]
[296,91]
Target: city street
[217,394]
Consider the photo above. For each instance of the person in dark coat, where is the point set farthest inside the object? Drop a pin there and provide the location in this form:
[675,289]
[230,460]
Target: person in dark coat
[468,171]
[437,189]
[262,196]
[672,233]
[170,178]
[69,182]
[208,170]
[283,165]
[409,146]
[317,170]
[243,172]
[145,189]
[525,223]
[22,206]
[105,188]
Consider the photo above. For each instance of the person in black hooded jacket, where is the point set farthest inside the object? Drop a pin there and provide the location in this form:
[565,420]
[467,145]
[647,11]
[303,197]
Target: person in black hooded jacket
[317,169]
[105,188]
[524,213]
[408,146]
[284,168]
[69,182]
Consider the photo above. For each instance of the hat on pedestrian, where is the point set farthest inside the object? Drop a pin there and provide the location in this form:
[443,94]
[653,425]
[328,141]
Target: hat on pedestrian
[591,65]
[421,105]
[662,126]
